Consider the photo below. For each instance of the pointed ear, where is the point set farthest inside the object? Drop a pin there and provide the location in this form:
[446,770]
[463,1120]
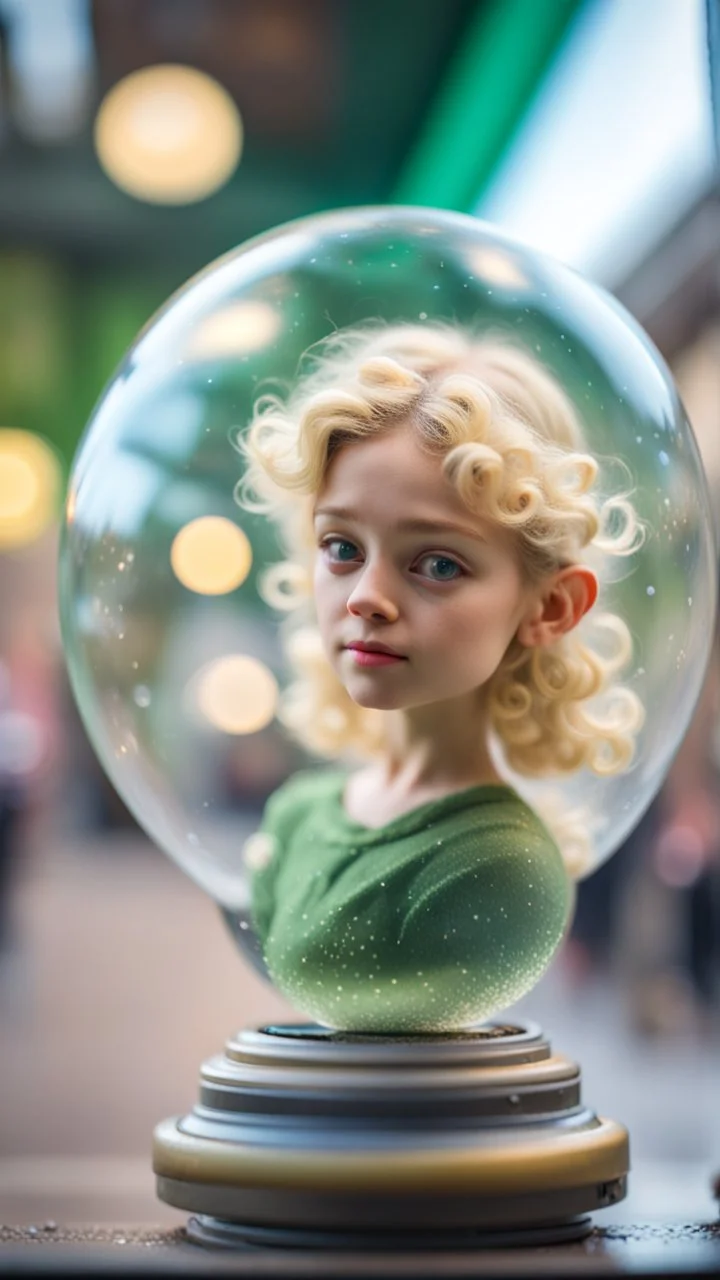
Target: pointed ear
[563,601]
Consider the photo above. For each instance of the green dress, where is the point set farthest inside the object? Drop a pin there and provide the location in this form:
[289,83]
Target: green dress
[433,922]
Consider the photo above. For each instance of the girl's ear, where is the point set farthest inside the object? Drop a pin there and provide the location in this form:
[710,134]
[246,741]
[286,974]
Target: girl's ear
[564,600]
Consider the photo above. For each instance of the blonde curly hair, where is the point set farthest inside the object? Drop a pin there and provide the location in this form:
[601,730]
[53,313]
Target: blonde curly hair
[510,441]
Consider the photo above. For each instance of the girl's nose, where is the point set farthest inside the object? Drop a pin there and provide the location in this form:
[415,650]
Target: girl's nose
[373,598]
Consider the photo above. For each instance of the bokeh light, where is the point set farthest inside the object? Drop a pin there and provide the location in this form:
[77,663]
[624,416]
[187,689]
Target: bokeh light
[234,330]
[168,134]
[237,694]
[29,487]
[498,267]
[211,556]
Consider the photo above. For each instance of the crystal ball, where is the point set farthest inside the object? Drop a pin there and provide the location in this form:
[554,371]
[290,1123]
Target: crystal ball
[195,599]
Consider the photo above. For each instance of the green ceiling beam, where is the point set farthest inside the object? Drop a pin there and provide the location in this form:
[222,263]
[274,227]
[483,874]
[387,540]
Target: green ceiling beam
[504,55]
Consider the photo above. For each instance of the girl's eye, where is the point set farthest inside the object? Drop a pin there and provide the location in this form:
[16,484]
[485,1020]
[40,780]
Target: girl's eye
[339,550]
[445,569]
[442,568]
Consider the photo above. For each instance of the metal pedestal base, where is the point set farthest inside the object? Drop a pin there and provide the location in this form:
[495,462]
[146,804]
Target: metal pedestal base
[305,1137]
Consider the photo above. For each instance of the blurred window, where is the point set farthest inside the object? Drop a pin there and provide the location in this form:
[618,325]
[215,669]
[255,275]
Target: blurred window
[619,143]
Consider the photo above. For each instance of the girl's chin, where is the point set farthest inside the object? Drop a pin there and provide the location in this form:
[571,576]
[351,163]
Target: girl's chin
[386,700]
[376,703]
[376,699]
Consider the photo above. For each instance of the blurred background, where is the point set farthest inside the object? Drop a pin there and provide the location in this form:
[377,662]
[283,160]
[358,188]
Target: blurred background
[140,139]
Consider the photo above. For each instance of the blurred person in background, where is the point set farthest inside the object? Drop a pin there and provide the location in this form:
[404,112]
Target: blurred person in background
[590,950]
[31,739]
[650,917]
[667,921]
[20,752]
[686,852]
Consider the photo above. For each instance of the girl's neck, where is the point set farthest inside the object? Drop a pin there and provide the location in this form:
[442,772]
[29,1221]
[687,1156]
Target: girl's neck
[410,778]
[447,754]
[373,799]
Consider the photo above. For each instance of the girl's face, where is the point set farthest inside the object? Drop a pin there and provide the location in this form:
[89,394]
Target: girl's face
[402,563]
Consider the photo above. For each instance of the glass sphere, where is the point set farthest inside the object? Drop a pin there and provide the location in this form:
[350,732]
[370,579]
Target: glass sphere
[178,664]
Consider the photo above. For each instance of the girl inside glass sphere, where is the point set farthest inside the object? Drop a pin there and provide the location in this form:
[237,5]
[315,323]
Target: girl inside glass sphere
[439,510]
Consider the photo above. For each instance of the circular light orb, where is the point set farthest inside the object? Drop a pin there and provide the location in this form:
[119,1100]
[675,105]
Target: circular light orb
[159,595]
[237,694]
[211,555]
[168,134]
[29,487]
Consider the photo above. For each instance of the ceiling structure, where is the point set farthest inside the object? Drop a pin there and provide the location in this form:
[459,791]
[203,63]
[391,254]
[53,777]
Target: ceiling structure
[344,102]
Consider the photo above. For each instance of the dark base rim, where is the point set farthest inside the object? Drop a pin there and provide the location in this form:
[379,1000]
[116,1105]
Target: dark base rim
[316,1032]
[216,1233]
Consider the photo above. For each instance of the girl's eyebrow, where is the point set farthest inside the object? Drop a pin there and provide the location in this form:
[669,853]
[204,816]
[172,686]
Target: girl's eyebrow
[410,526]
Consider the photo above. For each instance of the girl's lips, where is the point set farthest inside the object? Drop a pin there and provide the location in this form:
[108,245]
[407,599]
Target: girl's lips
[365,659]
